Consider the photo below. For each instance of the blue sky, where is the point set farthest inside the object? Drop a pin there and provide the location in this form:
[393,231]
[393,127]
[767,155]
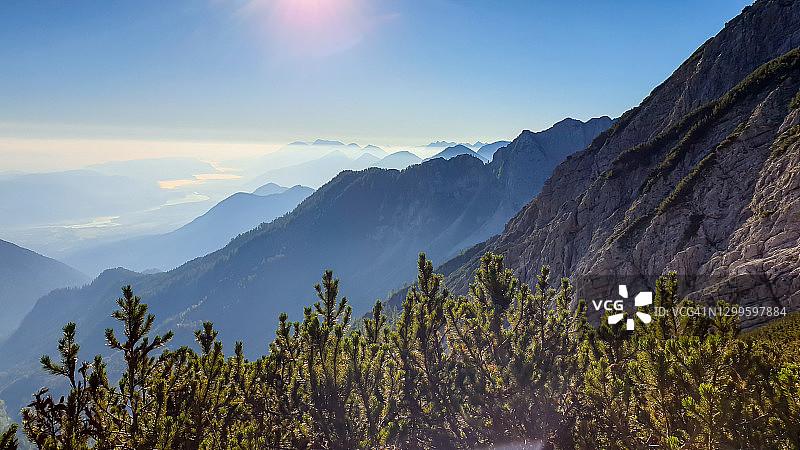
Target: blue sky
[370,71]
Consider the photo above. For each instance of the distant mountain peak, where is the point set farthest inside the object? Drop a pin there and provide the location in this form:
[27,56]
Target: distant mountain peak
[327,143]
[398,160]
[367,157]
[441,144]
[459,147]
[567,120]
[269,188]
[488,150]
[230,217]
[457,150]
[300,187]
[333,155]
[445,144]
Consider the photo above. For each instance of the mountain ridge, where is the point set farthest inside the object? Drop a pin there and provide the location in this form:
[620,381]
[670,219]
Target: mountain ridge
[24,277]
[360,225]
[230,217]
[675,183]
[456,150]
[488,150]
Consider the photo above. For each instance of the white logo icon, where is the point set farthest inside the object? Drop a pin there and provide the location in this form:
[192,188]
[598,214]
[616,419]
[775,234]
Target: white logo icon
[641,299]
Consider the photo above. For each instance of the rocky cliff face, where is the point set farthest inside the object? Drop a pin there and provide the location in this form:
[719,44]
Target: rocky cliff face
[701,178]
[518,164]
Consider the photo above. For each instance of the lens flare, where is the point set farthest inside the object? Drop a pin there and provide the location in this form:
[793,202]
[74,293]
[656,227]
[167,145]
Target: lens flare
[303,28]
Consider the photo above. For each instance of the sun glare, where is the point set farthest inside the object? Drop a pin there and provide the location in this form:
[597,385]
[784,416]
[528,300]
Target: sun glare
[311,13]
[308,27]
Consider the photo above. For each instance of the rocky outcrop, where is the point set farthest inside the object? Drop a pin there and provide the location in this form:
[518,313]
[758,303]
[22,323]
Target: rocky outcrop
[682,181]
[518,165]
[760,263]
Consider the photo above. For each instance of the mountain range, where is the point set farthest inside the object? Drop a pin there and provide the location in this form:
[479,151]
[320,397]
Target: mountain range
[444,144]
[398,160]
[297,156]
[487,151]
[456,150]
[234,215]
[367,226]
[699,179]
[58,212]
[316,172]
[24,277]
[270,188]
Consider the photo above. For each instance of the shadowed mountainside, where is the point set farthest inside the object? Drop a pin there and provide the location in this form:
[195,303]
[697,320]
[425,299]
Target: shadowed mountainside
[700,178]
[24,277]
[487,150]
[360,224]
[456,150]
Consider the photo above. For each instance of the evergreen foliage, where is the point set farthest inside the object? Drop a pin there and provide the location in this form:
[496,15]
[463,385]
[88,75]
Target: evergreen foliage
[507,364]
[8,439]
